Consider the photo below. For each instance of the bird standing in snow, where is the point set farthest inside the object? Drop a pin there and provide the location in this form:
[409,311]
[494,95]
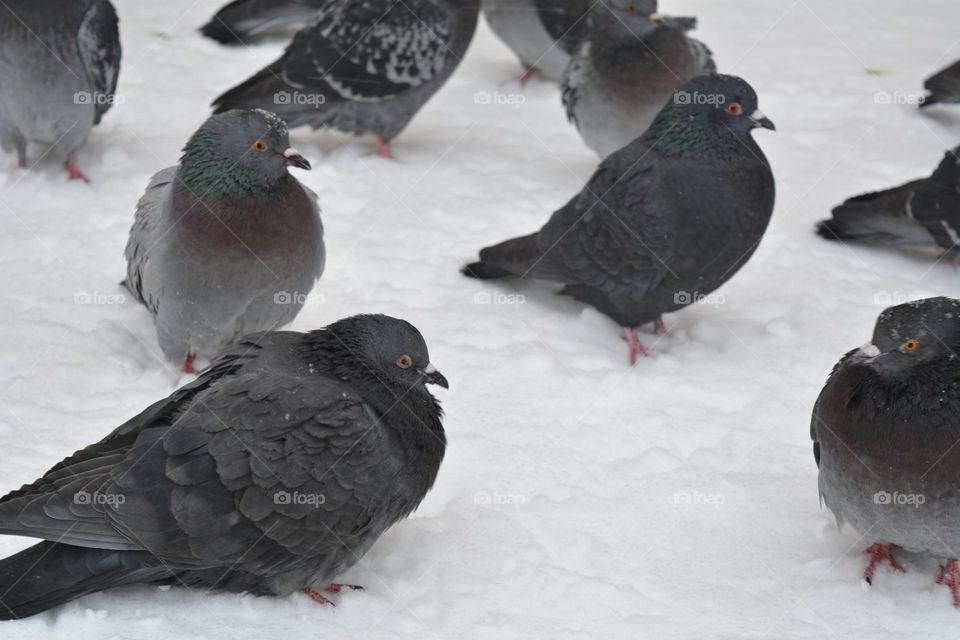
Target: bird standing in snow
[943,87]
[627,69]
[246,21]
[228,242]
[665,220]
[364,67]
[59,62]
[273,472]
[543,33]
[923,213]
[885,429]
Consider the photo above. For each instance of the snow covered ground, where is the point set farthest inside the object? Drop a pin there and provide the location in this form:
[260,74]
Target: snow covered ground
[580,498]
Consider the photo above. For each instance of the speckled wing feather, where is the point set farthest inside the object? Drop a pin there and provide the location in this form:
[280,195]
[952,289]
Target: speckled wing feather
[572,80]
[99,43]
[142,235]
[367,51]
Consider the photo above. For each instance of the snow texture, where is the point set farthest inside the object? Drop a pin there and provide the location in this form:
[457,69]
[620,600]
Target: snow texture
[579,498]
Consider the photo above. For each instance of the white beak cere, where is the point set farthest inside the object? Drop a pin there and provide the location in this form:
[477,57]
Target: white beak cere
[291,153]
[430,369]
[869,350]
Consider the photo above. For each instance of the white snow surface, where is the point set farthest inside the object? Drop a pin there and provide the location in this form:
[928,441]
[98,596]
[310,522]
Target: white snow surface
[579,498]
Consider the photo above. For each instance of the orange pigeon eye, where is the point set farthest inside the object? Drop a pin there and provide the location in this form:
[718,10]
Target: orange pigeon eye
[631,9]
[404,361]
[734,108]
[910,346]
[259,145]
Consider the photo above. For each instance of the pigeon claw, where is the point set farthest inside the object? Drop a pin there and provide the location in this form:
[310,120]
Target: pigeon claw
[636,347]
[878,553]
[74,170]
[950,576]
[660,327]
[336,587]
[383,149]
[188,364]
[318,597]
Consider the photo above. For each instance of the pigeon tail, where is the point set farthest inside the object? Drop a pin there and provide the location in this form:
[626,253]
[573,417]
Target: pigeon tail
[49,574]
[484,271]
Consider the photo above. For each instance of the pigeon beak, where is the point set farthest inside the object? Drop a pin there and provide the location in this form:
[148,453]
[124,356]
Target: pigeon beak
[434,377]
[760,120]
[293,158]
[867,353]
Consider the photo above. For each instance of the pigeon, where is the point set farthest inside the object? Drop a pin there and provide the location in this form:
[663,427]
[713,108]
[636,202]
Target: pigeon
[923,213]
[885,429]
[228,242]
[543,33]
[626,69]
[943,87]
[247,21]
[59,63]
[364,67]
[273,472]
[664,221]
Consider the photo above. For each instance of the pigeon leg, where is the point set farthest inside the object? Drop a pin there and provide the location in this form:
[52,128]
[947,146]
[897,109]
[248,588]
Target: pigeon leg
[878,553]
[659,327]
[636,347]
[336,587]
[188,363]
[22,154]
[526,76]
[318,597]
[74,170]
[950,576]
[383,149]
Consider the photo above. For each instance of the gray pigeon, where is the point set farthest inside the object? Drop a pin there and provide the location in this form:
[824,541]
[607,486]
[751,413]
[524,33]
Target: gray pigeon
[273,472]
[627,69]
[943,87]
[364,67]
[922,213]
[228,242]
[59,62]
[543,33]
[247,21]
[885,430]
[664,221]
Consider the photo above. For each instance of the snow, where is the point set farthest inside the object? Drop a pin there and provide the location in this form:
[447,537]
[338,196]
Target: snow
[580,498]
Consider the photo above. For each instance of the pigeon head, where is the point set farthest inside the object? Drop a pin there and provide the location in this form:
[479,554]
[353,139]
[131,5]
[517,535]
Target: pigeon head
[626,17]
[920,333]
[238,152]
[390,350]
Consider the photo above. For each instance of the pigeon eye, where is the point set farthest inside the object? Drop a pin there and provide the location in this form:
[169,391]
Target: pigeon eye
[910,346]
[631,9]
[404,362]
[259,145]
[734,108]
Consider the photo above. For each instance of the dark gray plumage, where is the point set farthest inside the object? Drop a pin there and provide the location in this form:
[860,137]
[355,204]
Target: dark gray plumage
[922,213]
[667,219]
[364,67]
[943,86]
[228,242]
[247,21]
[543,33]
[626,69]
[885,429]
[59,62]
[275,471]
